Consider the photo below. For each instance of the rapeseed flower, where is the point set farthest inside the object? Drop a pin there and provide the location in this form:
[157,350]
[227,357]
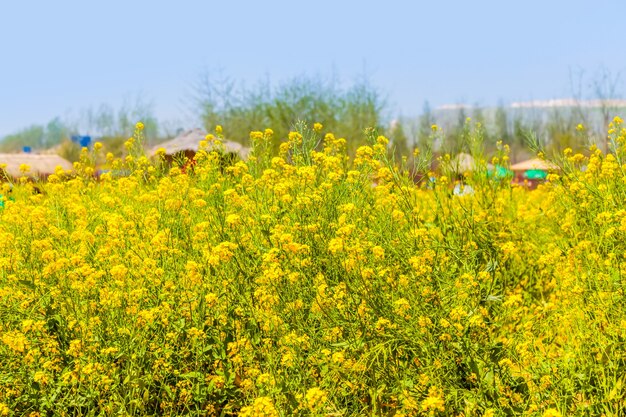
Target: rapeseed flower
[240,286]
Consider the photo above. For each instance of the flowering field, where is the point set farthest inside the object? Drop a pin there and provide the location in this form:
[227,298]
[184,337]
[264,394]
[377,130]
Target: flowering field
[316,284]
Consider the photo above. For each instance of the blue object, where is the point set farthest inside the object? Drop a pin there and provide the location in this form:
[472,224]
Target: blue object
[27,149]
[83,141]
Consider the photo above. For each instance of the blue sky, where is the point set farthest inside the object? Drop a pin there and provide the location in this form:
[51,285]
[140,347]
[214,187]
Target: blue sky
[58,57]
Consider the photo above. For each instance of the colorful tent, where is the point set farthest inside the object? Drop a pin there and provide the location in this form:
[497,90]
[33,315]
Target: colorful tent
[534,164]
[535,174]
[499,172]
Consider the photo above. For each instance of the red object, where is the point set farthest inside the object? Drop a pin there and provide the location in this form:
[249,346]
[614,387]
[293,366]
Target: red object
[188,168]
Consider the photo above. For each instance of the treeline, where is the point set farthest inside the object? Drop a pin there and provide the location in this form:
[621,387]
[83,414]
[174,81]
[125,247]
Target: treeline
[345,109]
[573,126]
[107,124]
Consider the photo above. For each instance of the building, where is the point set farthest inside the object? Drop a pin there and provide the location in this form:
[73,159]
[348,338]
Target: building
[32,165]
[188,143]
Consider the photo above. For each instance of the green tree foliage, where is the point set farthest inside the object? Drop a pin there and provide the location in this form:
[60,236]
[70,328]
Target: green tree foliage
[104,123]
[34,136]
[560,128]
[501,124]
[478,116]
[69,150]
[240,110]
[56,131]
[109,123]
[426,121]
[399,141]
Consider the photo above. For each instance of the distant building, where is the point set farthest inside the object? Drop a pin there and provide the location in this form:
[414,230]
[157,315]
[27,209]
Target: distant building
[568,103]
[188,143]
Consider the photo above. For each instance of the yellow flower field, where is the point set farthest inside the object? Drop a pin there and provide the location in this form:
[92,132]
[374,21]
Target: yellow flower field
[314,283]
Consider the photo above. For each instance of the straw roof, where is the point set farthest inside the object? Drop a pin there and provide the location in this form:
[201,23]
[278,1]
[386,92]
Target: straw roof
[464,162]
[534,163]
[40,165]
[190,141]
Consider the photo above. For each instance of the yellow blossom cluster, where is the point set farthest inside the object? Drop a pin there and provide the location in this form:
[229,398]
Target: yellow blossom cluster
[309,281]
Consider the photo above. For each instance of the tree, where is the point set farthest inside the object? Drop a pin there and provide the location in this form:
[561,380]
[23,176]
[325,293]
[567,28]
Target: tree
[33,136]
[501,124]
[478,116]
[426,121]
[104,122]
[605,89]
[56,132]
[399,141]
[456,137]
[344,111]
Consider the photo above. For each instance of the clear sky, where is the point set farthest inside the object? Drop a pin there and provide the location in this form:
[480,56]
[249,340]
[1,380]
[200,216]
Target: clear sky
[62,56]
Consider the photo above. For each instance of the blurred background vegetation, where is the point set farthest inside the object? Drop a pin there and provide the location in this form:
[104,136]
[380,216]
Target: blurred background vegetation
[345,109]
[109,125]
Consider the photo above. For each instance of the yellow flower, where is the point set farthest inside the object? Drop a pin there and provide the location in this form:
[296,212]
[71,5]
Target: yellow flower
[256,135]
[262,407]
[139,126]
[233,219]
[434,401]
[315,399]
[551,412]
[129,143]
[16,341]
[40,378]
[295,137]
[401,307]
[381,140]
[317,127]
[379,252]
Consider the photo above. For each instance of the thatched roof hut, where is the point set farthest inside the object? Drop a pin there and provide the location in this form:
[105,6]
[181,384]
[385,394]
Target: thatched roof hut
[533,164]
[189,141]
[463,162]
[40,165]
